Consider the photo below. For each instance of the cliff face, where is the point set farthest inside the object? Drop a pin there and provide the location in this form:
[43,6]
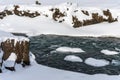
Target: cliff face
[14,51]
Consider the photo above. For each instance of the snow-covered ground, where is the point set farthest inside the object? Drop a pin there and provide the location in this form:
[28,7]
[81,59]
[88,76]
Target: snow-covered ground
[84,3]
[46,25]
[43,25]
[28,2]
[40,72]
[35,72]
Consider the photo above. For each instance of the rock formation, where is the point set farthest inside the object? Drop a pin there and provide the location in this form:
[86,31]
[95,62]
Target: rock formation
[72,16]
[18,48]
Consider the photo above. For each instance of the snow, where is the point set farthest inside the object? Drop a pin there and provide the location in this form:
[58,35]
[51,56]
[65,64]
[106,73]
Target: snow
[84,3]
[1,54]
[69,49]
[42,25]
[96,62]
[108,52]
[5,34]
[28,2]
[35,72]
[46,25]
[73,58]
[10,62]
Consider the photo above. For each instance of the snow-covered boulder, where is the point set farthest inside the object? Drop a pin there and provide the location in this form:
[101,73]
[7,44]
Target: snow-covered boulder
[70,14]
[13,49]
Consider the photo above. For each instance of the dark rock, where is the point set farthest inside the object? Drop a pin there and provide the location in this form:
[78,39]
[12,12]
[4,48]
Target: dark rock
[20,34]
[20,48]
[0,71]
[57,14]
[85,12]
[76,22]
[76,11]
[10,68]
[52,9]
[109,15]
[37,3]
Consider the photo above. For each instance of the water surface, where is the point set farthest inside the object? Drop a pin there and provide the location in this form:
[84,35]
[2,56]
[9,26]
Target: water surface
[44,46]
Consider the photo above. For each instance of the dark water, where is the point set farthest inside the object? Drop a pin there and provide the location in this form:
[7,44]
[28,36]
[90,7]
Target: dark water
[44,45]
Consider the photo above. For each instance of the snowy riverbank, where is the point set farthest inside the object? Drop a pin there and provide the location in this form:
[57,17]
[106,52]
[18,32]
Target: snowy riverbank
[45,25]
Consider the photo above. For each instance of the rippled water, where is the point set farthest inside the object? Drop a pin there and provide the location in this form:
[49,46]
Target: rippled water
[44,47]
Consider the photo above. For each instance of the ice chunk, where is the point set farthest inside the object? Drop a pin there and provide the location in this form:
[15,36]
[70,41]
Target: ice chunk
[73,58]
[96,62]
[68,49]
[108,52]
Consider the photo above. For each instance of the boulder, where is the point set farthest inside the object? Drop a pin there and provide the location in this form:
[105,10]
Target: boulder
[15,51]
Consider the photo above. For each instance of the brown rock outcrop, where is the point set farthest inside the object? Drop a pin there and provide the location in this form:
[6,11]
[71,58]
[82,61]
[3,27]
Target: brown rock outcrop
[85,12]
[76,22]
[57,14]
[20,48]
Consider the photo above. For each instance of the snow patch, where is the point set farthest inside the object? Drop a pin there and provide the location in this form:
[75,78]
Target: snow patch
[10,62]
[96,62]
[73,58]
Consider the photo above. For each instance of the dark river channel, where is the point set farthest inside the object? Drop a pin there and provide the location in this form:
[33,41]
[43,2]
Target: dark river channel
[44,46]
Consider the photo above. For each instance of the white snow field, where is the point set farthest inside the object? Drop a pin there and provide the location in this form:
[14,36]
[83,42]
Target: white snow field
[73,58]
[69,49]
[84,3]
[43,25]
[28,2]
[46,25]
[96,62]
[35,72]
[108,52]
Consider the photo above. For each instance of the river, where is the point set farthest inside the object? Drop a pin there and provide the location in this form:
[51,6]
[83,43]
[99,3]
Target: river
[44,46]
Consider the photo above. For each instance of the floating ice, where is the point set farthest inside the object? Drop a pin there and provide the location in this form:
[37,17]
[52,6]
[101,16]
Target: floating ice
[68,49]
[73,58]
[96,62]
[108,52]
